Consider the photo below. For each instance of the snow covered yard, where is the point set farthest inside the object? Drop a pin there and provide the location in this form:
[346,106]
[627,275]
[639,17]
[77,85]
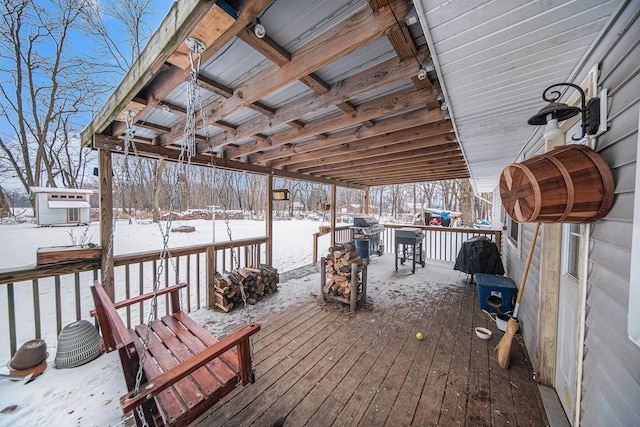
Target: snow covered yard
[87,395]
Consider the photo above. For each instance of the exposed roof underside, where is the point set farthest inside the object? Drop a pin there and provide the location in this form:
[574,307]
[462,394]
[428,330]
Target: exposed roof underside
[331,94]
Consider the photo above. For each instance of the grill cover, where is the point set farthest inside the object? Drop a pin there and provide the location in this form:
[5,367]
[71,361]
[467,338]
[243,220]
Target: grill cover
[479,255]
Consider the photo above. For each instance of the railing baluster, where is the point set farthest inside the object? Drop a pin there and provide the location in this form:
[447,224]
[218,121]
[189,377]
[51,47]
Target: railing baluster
[36,307]
[155,279]
[78,308]
[58,305]
[12,319]
[198,256]
[127,291]
[189,283]
[166,285]
[141,290]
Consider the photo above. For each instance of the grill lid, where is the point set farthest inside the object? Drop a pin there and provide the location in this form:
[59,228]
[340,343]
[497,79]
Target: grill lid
[364,221]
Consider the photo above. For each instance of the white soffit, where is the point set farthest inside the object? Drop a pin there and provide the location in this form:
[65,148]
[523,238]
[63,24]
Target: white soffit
[494,60]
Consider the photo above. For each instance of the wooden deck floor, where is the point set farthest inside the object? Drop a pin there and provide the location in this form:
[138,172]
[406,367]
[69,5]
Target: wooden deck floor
[316,365]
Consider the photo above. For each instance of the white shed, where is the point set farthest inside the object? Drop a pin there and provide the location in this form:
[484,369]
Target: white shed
[61,206]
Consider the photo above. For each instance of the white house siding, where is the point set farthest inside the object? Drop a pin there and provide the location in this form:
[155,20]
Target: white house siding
[48,216]
[611,375]
[611,371]
[528,311]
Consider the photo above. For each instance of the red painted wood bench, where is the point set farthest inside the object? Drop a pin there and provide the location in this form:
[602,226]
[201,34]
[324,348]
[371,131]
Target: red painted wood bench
[186,369]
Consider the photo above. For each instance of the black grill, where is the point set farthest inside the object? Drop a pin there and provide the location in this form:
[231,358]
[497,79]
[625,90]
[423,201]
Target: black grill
[367,227]
[408,246]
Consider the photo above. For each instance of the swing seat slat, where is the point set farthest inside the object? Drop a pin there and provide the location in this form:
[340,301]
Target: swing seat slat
[186,369]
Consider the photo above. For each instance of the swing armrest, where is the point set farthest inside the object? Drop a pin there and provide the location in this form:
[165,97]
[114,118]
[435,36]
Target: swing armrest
[114,333]
[143,297]
[175,374]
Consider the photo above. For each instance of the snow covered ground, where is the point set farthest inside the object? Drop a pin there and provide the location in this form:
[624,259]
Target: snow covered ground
[87,395]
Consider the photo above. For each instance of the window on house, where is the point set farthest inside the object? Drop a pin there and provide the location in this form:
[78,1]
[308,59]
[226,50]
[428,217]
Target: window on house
[573,249]
[514,230]
[73,215]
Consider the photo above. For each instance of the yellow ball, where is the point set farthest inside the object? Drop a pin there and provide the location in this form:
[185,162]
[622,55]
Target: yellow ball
[419,336]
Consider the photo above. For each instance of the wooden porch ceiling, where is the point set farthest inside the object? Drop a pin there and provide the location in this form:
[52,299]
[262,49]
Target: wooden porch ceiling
[330,95]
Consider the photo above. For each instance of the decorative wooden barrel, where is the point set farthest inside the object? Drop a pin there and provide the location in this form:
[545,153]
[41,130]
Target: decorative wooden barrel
[571,183]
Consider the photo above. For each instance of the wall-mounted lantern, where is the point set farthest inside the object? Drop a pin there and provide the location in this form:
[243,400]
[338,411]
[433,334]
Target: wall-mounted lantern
[555,112]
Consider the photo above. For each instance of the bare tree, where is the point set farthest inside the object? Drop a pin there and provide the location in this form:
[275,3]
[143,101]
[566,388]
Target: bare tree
[42,88]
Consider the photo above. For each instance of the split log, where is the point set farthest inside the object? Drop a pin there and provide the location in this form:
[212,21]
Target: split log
[338,269]
[254,282]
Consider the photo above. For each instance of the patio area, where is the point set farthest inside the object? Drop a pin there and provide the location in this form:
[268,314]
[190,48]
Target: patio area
[317,365]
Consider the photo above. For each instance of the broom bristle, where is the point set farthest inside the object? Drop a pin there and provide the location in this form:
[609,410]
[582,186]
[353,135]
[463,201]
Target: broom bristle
[504,346]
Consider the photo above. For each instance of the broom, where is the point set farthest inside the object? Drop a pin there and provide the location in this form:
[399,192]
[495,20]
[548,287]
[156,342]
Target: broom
[504,346]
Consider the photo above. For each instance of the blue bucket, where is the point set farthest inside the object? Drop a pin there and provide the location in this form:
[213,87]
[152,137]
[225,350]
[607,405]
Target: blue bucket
[362,245]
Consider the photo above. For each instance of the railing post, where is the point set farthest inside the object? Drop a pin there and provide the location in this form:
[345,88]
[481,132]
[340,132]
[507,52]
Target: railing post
[12,319]
[315,247]
[211,271]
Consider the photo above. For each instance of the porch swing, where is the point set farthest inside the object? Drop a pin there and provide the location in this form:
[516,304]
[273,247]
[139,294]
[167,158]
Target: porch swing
[175,371]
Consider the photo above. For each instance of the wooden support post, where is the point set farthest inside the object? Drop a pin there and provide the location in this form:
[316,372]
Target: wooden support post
[549,295]
[268,219]
[366,201]
[333,215]
[106,219]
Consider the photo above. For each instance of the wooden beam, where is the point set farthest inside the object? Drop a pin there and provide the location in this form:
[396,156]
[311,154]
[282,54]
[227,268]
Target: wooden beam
[169,76]
[384,143]
[386,73]
[180,21]
[334,199]
[425,146]
[377,182]
[369,110]
[269,219]
[393,124]
[381,171]
[106,220]
[215,87]
[416,176]
[266,46]
[116,145]
[346,37]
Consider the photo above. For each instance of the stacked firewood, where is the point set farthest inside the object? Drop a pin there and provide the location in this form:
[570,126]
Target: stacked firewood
[256,282]
[338,270]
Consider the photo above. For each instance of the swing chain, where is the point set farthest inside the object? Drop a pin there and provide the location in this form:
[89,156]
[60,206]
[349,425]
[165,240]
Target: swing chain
[128,141]
[188,149]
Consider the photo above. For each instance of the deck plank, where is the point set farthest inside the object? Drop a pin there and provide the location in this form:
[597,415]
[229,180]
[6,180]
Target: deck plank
[316,365]
[428,409]
[479,401]
[454,402]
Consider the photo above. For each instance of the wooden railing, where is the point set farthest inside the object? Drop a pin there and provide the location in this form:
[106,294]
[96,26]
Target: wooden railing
[441,243]
[342,234]
[59,295]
